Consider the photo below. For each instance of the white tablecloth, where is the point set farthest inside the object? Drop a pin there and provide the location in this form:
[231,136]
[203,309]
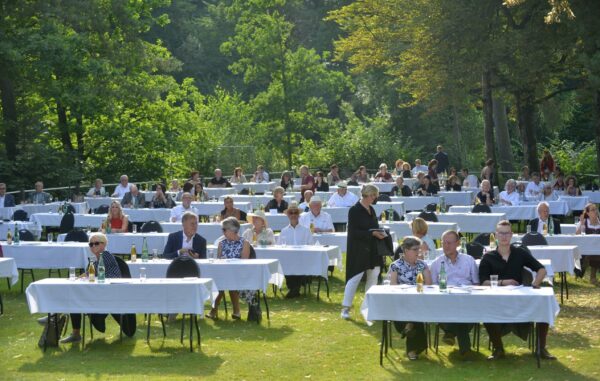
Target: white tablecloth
[121,296]
[415,202]
[593,196]
[43,255]
[499,305]
[458,198]
[435,229]
[255,200]
[587,244]
[218,192]
[519,212]
[212,208]
[384,187]
[339,215]
[562,257]
[568,228]
[339,239]
[302,260]
[257,187]
[277,221]
[6,213]
[81,220]
[95,202]
[324,196]
[31,226]
[148,214]
[120,243]
[382,205]
[575,203]
[468,222]
[228,274]
[209,230]
[351,188]
[8,269]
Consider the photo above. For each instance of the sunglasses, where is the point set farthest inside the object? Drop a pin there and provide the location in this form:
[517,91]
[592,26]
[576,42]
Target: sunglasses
[92,244]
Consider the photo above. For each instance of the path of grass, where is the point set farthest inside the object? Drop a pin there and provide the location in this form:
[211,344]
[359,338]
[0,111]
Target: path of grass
[306,339]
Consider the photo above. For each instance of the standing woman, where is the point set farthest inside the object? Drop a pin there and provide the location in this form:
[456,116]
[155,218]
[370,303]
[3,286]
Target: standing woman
[488,172]
[590,224]
[547,165]
[361,254]
[404,271]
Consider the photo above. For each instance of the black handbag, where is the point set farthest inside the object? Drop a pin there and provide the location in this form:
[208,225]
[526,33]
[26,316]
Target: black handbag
[384,247]
[49,337]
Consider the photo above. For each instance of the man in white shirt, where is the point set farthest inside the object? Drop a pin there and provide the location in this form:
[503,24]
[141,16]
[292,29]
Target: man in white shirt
[461,270]
[544,219]
[470,181]
[261,176]
[304,204]
[97,190]
[295,234]
[122,188]
[419,168]
[342,198]
[186,206]
[535,188]
[321,221]
[509,196]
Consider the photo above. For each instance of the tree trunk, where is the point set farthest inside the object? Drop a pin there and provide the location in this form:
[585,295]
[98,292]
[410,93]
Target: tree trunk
[505,157]
[458,138]
[79,135]
[9,117]
[525,117]
[488,117]
[63,127]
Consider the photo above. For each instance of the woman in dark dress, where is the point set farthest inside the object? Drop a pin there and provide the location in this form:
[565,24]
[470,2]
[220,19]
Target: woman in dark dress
[589,223]
[286,181]
[361,254]
[453,184]
[321,181]
[277,202]
[400,189]
[427,188]
[486,194]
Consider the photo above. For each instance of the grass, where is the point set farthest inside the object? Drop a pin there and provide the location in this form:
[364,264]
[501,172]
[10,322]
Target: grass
[306,339]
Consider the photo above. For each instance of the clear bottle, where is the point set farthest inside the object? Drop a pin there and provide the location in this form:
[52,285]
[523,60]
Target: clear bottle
[9,239]
[17,236]
[442,204]
[133,253]
[463,245]
[550,226]
[420,282]
[443,279]
[493,243]
[383,217]
[101,270]
[545,229]
[145,251]
[108,227]
[91,272]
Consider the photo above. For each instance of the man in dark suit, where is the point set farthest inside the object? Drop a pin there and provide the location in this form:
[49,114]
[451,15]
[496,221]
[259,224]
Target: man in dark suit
[537,224]
[134,198]
[442,159]
[6,200]
[186,241]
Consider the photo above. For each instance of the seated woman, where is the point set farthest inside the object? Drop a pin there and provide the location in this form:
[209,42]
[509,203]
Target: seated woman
[117,219]
[559,183]
[160,199]
[548,193]
[419,229]
[589,223]
[259,233]
[98,242]
[321,182]
[383,175]
[453,184]
[398,167]
[362,176]
[175,188]
[230,211]
[400,189]
[286,181]
[277,202]
[427,188]
[238,176]
[486,194]
[188,187]
[199,192]
[572,189]
[404,271]
[353,180]
[406,171]
[232,246]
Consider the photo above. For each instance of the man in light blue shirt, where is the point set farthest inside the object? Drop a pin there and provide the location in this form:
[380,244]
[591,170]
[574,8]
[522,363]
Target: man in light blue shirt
[461,270]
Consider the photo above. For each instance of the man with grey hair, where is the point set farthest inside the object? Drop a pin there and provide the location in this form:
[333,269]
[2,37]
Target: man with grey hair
[321,221]
[39,196]
[544,219]
[342,198]
[509,196]
[219,181]
[186,241]
[186,206]
[133,199]
[123,187]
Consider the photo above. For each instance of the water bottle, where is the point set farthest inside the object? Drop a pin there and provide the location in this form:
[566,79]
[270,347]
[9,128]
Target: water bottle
[443,279]
[101,270]
[17,237]
[463,245]
[550,226]
[145,251]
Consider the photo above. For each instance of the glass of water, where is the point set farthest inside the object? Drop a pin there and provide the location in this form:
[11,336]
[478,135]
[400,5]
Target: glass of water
[282,241]
[72,273]
[211,255]
[494,281]
[154,254]
[50,238]
[134,228]
[528,229]
[142,274]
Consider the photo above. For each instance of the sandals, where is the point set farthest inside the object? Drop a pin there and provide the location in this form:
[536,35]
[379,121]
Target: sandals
[213,314]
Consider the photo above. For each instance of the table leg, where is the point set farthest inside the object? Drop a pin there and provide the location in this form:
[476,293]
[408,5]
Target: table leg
[191,333]
[566,286]
[46,338]
[538,349]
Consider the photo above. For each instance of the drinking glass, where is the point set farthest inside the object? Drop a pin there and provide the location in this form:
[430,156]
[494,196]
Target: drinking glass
[211,255]
[494,281]
[72,273]
[282,241]
[528,229]
[134,228]
[49,237]
[142,274]
[154,254]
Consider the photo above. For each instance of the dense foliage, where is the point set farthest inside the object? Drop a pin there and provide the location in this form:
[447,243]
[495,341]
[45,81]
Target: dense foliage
[156,88]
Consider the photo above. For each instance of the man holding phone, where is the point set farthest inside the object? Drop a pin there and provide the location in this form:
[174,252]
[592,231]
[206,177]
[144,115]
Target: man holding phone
[187,241]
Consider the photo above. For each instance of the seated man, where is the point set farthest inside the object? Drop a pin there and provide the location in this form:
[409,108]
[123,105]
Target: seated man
[535,188]
[419,168]
[186,241]
[333,177]
[470,181]
[6,200]
[507,262]
[304,204]
[544,218]
[98,242]
[342,198]
[133,199]
[123,187]
[219,181]
[461,269]
[509,195]
[294,234]
[186,206]
[39,196]
[383,175]
[260,176]
[97,190]
[321,221]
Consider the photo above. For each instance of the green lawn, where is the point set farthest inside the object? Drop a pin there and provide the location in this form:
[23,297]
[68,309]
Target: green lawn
[305,339]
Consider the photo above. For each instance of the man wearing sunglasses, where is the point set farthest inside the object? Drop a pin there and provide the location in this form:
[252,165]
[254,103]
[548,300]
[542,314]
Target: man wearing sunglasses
[97,245]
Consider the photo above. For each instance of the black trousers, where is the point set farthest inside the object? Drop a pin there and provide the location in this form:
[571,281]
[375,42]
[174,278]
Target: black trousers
[99,322]
[294,282]
[461,331]
[417,341]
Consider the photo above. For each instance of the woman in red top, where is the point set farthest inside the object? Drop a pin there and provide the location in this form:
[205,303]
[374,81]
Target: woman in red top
[117,220]
[546,165]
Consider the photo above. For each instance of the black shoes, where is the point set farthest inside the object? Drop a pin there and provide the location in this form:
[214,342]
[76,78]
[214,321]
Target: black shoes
[497,354]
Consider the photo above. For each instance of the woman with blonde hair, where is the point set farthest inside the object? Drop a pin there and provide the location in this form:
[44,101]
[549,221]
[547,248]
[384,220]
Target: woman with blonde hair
[419,229]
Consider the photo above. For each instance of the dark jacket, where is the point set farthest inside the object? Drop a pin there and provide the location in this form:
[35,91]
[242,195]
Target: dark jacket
[404,192]
[140,200]
[361,253]
[175,242]
[9,200]
[536,221]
